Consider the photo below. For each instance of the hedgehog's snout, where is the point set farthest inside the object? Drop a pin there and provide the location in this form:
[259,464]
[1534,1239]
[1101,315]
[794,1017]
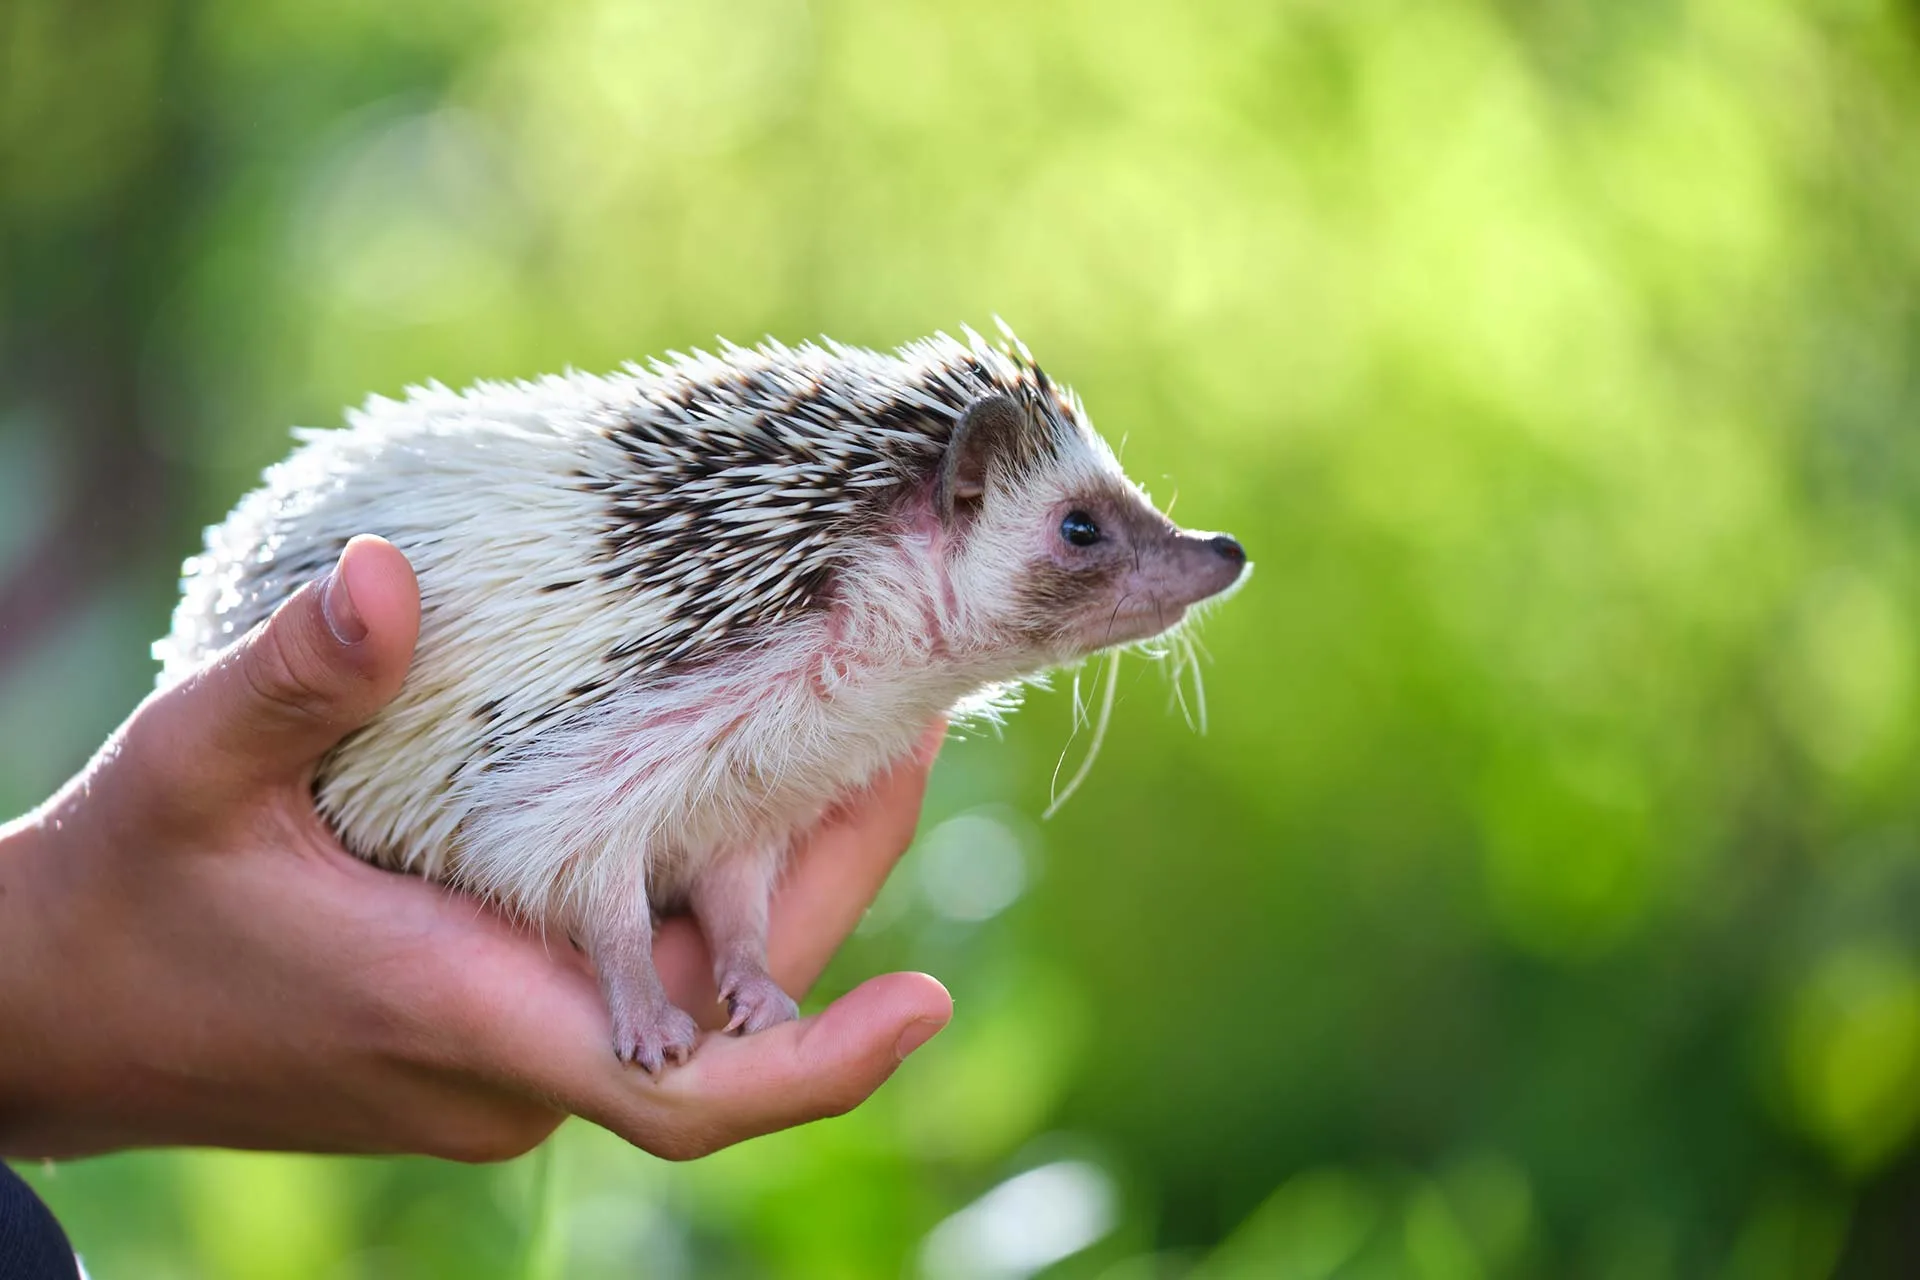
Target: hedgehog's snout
[1158,576]
[1192,567]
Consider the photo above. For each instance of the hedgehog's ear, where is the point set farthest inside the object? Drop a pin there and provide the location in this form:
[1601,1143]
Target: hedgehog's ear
[989,428]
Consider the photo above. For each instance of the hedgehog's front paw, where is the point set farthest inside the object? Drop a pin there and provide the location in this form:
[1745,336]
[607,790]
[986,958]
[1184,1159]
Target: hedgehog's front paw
[652,1033]
[755,1002]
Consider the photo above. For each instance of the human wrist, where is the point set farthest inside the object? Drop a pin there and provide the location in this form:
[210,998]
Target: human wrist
[32,1025]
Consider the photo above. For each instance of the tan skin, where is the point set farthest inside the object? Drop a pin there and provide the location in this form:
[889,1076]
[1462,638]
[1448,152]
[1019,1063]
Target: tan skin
[187,956]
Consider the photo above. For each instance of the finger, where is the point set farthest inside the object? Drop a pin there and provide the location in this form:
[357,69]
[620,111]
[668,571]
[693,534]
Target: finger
[685,965]
[740,1087]
[840,867]
[267,708]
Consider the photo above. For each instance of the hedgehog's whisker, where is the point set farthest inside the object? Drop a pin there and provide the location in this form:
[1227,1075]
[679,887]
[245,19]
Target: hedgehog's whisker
[1077,718]
[1190,661]
[1177,654]
[1181,650]
[1115,616]
[1060,797]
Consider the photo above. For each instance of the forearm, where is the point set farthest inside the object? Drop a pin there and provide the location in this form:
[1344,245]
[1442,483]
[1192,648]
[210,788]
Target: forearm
[67,1042]
[32,1059]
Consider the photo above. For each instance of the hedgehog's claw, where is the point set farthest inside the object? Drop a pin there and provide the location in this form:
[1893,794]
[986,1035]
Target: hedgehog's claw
[755,1002]
[653,1034]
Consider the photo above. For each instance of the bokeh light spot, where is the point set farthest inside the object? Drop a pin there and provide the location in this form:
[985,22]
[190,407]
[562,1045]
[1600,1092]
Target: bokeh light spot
[972,867]
[1025,1224]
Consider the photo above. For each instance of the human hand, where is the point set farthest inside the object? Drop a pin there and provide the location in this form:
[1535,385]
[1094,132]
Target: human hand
[188,956]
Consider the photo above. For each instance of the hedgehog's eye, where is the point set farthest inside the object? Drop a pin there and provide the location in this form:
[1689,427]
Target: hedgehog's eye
[1079,529]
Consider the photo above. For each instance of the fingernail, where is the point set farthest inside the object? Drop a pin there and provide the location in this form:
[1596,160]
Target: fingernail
[336,602]
[917,1033]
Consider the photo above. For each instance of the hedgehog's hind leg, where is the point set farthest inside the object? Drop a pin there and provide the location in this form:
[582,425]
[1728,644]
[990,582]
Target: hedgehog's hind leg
[730,899]
[649,1030]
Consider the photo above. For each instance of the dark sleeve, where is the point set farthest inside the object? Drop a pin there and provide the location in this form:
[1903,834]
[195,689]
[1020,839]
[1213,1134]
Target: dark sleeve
[32,1246]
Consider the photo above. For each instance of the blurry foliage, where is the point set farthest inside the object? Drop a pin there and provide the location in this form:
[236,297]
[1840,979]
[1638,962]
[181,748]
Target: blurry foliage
[1543,899]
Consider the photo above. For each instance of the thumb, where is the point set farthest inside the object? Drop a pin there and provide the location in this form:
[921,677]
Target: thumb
[266,709]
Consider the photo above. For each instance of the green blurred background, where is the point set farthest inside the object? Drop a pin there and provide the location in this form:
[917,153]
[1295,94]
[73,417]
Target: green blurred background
[1542,899]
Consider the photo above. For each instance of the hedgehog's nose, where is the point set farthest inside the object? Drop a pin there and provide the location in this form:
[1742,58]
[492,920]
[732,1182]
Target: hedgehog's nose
[1227,549]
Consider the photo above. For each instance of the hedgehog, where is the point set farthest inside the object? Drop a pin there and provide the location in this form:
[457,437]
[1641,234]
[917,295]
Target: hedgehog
[671,616]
